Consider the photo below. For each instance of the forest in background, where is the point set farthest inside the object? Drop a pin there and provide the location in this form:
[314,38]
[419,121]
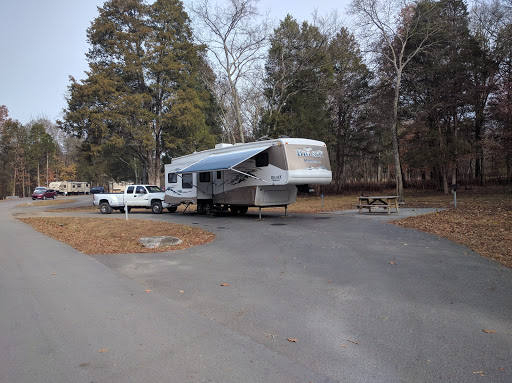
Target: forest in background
[420,86]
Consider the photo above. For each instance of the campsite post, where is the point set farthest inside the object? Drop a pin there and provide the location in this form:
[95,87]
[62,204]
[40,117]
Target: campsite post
[454,188]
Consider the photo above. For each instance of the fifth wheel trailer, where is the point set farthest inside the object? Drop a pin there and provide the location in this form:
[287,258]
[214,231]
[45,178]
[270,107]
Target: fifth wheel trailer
[256,174]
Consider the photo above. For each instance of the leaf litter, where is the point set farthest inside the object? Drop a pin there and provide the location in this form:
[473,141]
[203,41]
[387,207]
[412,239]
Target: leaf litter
[116,236]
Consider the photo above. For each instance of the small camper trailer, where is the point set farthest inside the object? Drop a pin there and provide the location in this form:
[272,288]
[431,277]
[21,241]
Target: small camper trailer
[261,174]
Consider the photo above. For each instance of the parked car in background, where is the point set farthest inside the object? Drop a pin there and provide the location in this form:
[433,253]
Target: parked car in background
[44,194]
[97,189]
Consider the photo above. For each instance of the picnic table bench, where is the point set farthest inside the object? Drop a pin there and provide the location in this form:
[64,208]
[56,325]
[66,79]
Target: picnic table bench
[383,202]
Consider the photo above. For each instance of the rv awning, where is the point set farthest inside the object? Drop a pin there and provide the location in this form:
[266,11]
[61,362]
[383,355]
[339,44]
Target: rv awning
[223,161]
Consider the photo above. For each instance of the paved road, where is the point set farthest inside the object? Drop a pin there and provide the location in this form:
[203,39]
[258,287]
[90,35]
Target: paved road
[366,300]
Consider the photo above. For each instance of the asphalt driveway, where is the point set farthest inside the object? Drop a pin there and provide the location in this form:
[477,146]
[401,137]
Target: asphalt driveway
[311,298]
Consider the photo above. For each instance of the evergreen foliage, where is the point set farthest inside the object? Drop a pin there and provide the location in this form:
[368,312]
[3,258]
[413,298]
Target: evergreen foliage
[143,91]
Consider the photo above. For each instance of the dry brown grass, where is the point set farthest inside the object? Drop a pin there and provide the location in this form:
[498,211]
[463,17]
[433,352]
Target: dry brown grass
[313,204]
[48,202]
[116,236]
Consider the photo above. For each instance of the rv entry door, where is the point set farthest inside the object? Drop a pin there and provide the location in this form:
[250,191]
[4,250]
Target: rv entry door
[218,186]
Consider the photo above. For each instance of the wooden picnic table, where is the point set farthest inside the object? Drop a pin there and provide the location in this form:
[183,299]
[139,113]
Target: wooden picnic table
[383,202]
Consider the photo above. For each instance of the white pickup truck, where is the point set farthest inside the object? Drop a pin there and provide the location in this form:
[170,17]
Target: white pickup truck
[147,196]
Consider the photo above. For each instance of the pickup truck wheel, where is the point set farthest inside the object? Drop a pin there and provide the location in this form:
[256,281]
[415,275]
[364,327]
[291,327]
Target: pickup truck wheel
[156,207]
[105,208]
[172,209]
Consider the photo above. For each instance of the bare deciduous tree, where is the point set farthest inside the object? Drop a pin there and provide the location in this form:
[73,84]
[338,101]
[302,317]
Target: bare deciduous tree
[394,24]
[235,39]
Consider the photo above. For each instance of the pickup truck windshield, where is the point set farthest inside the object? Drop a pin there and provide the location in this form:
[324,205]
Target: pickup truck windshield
[153,189]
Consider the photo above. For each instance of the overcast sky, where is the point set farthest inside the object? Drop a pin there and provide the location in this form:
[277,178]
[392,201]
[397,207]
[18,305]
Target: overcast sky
[44,42]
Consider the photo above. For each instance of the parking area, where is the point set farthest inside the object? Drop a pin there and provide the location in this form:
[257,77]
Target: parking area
[342,296]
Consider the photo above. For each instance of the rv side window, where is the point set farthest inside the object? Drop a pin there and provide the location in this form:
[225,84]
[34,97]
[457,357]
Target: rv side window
[130,190]
[204,177]
[172,178]
[219,174]
[261,159]
[186,181]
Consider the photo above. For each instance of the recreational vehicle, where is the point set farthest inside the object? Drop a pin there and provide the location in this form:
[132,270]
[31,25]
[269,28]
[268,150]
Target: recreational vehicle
[70,187]
[260,174]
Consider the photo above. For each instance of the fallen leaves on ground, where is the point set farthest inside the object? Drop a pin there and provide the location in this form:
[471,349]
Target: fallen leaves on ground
[103,350]
[489,331]
[293,340]
[116,236]
[224,284]
[482,221]
[353,341]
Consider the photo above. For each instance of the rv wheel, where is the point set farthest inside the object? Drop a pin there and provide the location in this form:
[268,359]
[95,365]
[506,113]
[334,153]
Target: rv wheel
[172,209]
[201,208]
[243,209]
[208,208]
[234,209]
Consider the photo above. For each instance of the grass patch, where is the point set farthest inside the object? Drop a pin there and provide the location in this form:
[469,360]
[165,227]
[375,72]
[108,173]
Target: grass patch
[48,202]
[116,236]
[313,204]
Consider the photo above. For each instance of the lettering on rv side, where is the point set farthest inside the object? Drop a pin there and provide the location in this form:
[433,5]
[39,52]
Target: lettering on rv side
[309,152]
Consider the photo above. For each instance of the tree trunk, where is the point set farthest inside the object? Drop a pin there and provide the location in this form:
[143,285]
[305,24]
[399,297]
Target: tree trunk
[236,101]
[158,154]
[509,169]
[144,176]
[446,187]
[395,144]
[454,174]
[14,182]
[47,171]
